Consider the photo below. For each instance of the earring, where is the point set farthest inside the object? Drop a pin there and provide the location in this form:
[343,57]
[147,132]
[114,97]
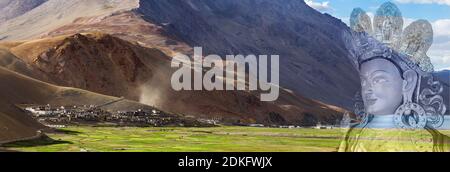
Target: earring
[410,115]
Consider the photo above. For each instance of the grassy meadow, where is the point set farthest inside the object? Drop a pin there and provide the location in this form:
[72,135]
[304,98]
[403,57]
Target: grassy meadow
[216,139]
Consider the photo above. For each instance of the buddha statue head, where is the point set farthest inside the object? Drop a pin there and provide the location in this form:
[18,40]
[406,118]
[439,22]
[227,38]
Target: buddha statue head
[393,66]
[385,86]
[393,84]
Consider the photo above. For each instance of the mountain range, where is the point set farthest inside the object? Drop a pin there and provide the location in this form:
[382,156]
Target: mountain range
[123,48]
[11,8]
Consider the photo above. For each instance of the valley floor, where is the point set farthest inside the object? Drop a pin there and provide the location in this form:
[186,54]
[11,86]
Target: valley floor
[216,139]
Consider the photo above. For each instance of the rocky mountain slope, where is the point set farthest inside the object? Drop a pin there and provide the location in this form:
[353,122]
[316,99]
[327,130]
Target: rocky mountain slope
[19,89]
[288,28]
[56,13]
[126,25]
[15,89]
[109,65]
[314,61]
[13,8]
[97,62]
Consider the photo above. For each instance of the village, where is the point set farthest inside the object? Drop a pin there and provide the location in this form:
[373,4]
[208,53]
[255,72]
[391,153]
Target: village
[343,123]
[60,116]
[318,126]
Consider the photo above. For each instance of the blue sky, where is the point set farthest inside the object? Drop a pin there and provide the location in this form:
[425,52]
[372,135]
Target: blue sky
[435,11]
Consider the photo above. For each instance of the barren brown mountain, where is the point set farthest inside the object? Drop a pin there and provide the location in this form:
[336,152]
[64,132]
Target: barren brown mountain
[13,8]
[125,25]
[17,89]
[105,64]
[56,13]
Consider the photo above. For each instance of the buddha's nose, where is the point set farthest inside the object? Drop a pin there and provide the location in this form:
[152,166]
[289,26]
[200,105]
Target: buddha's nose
[367,88]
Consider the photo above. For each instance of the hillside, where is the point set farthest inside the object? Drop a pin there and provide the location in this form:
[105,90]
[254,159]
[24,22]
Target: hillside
[13,8]
[13,63]
[126,25]
[109,65]
[56,13]
[96,62]
[221,27]
[288,28]
[19,89]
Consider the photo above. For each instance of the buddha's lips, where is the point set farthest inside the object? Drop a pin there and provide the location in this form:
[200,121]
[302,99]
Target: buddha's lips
[370,101]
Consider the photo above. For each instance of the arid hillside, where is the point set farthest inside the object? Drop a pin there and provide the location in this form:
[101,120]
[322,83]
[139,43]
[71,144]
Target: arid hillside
[53,14]
[19,89]
[13,8]
[108,65]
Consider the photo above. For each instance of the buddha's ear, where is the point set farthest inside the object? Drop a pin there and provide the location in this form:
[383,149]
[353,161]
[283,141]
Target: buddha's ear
[410,81]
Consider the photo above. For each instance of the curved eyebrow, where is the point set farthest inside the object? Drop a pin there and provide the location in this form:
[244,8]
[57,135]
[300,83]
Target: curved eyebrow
[376,72]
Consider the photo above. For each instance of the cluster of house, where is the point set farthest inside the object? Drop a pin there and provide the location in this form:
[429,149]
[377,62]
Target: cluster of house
[212,121]
[318,126]
[49,115]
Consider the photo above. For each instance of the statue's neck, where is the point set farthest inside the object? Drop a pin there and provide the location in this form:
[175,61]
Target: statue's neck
[382,121]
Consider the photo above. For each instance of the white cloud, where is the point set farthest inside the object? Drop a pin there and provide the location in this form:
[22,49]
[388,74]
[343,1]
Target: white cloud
[319,6]
[442,2]
[440,51]
[442,27]
[440,54]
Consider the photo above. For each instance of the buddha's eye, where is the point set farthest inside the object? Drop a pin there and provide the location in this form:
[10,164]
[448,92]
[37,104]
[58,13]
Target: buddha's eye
[379,80]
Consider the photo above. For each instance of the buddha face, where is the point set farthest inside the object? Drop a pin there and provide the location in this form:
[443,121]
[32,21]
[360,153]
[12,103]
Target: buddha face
[382,87]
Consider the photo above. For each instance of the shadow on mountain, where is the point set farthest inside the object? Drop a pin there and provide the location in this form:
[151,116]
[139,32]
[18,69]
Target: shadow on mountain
[68,132]
[43,141]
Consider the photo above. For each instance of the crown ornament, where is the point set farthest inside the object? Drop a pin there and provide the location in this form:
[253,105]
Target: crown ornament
[413,42]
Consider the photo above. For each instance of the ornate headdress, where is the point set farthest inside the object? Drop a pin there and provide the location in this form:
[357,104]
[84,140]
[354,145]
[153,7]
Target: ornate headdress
[387,33]
[407,50]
